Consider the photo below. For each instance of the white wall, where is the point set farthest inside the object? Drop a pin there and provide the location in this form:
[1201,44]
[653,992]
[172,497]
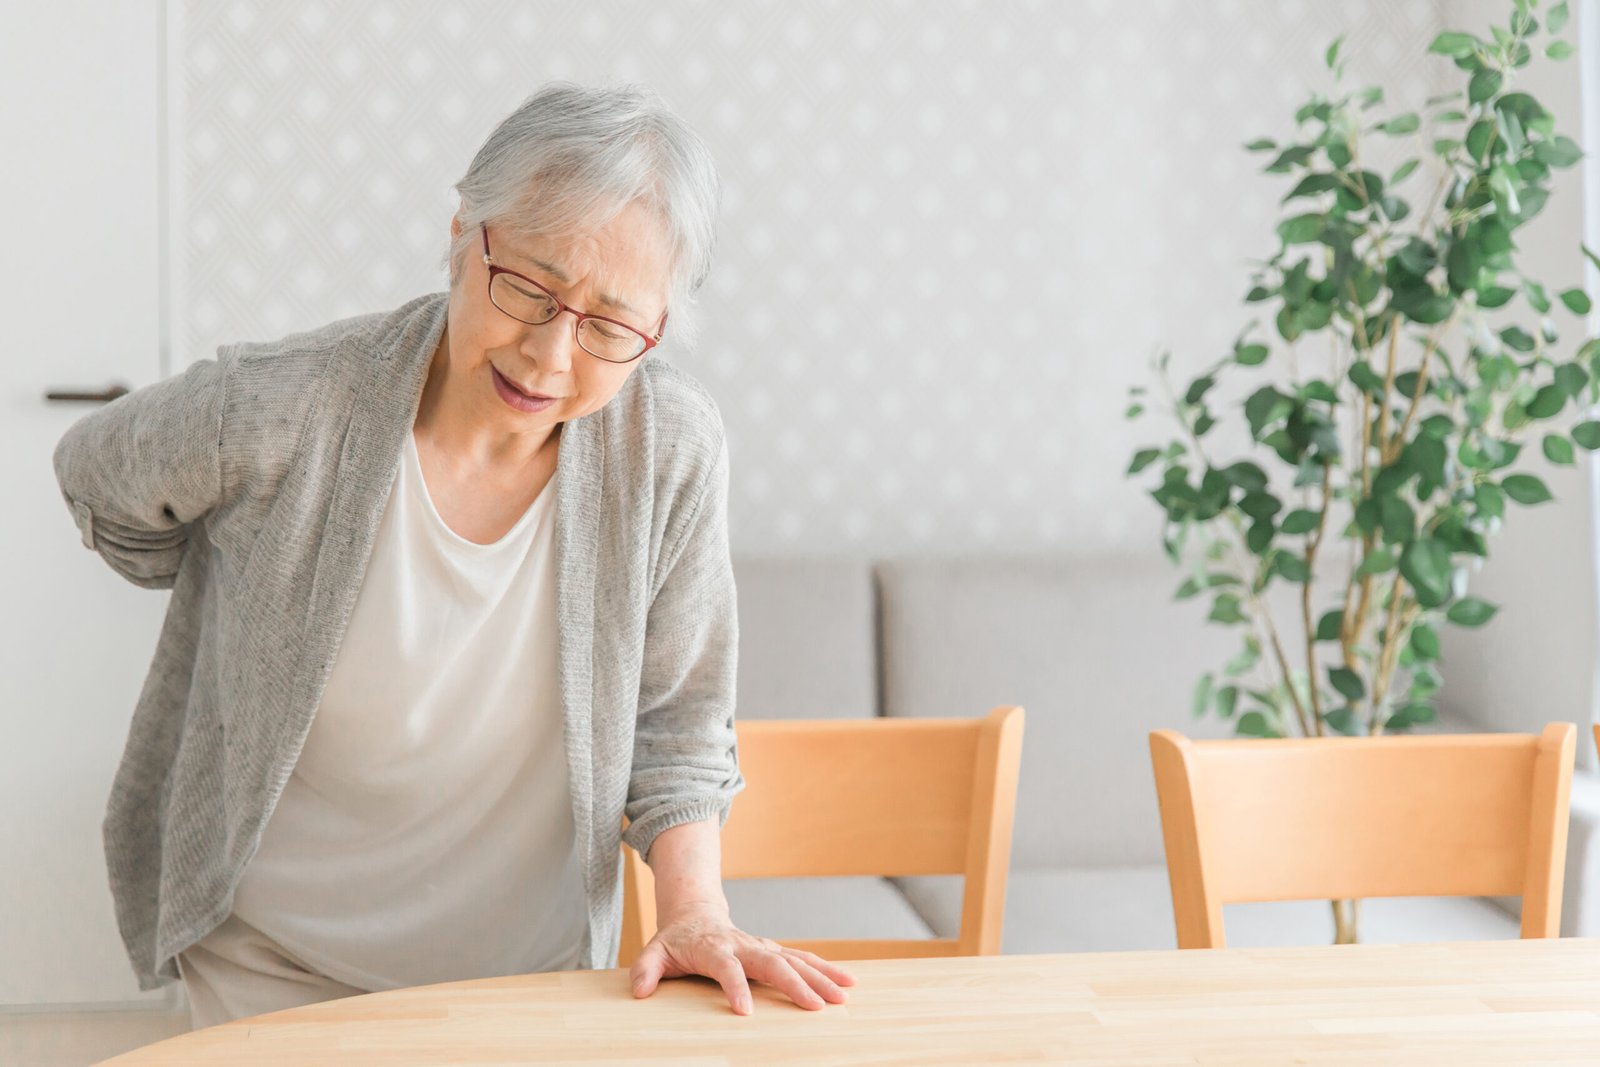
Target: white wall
[954,233]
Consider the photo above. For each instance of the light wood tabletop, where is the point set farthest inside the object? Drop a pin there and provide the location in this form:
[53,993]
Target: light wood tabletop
[1491,1002]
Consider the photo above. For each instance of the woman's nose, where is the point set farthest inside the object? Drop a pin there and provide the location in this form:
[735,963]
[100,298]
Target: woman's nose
[553,345]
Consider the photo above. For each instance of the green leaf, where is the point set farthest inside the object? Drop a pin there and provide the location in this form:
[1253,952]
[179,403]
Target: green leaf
[1226,610]
[1454,44]
[1247,658]
[1259,537]
[1407,123]
[1250,355]
[1363,377]
[1301,521]
[1587,435]
[1198,389]
[1558,449]
[1558,152]
[1332,55]
[1577,301]
[1409,716]
[1301,229]
[1328,625]
[1259,505]
[1484,84]
[1559,49]
[1471,611]
[1526,489]
[1571,377]
[1495,296]
[1202,695]
[1537,297]
[1425,563]
[1516,337]
[1254,724]
[1547,402]
[1292,568]
[1227,700]
[1143,458]
[1425,642]
[1293,156]
[1261,144]
[1342,721]
[1347,682]
[1490,500]
[1403,172]
[1377,561]
[1265,407]
[1556,20]
[1398,519]
[1247,476]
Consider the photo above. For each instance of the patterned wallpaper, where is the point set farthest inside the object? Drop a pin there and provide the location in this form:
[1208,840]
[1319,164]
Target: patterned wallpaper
[954,231]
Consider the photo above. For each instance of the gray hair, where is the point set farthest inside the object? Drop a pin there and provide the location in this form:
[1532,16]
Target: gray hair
[571,158]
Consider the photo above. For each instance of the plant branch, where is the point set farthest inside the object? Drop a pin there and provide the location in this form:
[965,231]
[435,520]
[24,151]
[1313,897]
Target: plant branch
[1312,545]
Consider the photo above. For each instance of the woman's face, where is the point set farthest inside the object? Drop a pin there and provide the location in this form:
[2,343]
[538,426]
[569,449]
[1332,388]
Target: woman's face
[496,361]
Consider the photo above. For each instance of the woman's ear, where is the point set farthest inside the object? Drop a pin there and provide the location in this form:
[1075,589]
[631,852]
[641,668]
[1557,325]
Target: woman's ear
[455,226]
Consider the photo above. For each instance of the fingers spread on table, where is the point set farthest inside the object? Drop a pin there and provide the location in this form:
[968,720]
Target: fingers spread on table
[730,974]
[832,970]
[818,981]
[775,969]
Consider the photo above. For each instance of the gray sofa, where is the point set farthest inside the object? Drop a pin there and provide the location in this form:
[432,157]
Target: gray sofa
[1099,655]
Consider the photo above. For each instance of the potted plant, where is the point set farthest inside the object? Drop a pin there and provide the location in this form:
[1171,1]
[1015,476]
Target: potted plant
[1382,413]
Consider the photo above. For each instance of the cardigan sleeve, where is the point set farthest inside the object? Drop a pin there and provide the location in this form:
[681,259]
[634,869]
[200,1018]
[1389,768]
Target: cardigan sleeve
[139,472]
[685,758]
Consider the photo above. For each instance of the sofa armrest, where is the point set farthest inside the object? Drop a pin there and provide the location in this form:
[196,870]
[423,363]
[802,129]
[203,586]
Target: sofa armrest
[1580,913]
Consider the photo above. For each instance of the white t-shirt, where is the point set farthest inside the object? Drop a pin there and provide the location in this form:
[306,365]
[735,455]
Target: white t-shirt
[426,834]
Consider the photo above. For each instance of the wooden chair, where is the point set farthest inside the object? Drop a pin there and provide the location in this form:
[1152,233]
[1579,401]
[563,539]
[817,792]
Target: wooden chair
[882,797]
[1347,818]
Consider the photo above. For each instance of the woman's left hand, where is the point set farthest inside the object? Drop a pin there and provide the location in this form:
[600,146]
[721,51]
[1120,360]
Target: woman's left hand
[704,941]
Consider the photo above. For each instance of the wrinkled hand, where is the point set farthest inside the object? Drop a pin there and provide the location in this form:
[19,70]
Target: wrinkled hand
[704,941]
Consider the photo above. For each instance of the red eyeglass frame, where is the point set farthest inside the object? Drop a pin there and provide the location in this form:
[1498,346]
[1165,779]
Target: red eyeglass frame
[649,342]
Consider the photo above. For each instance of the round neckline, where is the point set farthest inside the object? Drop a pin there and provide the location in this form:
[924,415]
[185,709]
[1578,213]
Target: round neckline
[527,518]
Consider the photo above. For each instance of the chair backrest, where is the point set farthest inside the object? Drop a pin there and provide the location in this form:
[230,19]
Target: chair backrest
[1353,817]
[883,797]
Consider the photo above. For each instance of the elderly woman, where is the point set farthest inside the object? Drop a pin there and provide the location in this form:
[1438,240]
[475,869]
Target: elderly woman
[450,596]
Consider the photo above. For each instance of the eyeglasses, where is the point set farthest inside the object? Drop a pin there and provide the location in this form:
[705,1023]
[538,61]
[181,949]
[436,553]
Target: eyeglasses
[527,301]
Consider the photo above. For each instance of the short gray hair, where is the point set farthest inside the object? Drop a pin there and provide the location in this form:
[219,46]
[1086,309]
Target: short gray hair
[571,158]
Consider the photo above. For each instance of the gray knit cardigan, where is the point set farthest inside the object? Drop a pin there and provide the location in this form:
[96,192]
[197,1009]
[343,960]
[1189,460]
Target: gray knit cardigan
[251,486]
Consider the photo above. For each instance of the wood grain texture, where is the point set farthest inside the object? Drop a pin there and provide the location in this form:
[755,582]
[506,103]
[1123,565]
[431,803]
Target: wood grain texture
[1491,1002]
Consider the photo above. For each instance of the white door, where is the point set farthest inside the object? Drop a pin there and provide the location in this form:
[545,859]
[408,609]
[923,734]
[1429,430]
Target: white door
[80,292]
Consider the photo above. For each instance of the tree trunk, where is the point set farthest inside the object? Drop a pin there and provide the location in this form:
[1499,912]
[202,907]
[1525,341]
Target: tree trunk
[1346,913]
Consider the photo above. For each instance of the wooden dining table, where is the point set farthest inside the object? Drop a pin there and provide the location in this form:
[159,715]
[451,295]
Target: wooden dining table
[1487,1002]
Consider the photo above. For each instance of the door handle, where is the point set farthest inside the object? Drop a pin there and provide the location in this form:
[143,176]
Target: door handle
[105,396]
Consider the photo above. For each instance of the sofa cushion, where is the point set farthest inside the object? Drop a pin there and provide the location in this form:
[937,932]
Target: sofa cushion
[1096,651]
[1130,909]
[807,638]
[807,908]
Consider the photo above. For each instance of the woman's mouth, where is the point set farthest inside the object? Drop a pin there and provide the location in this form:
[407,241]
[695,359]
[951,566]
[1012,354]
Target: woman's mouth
[515,397]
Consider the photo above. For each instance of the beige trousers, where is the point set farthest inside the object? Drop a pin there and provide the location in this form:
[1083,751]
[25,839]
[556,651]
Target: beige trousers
[236,971]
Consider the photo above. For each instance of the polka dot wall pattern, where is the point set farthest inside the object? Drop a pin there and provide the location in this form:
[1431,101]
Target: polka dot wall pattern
[953,232]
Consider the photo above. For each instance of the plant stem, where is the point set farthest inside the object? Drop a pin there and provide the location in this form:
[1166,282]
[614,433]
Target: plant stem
[1305,605]
[1390,656]
[1393,446]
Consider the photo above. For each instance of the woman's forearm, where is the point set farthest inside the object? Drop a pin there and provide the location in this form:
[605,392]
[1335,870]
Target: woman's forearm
[687,864]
